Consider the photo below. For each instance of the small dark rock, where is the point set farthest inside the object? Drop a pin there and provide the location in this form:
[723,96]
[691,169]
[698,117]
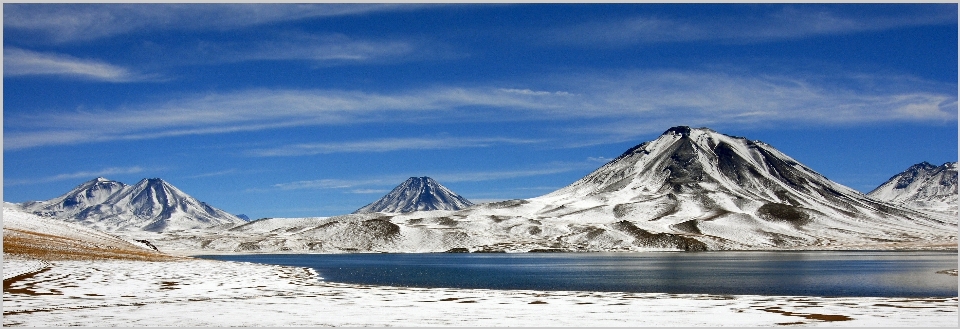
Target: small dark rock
[547,250]
[148,244]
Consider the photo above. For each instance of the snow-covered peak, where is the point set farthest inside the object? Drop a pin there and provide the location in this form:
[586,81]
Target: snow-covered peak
[152,205]
[700,173]
[922,186]
[688,160]
[417,194]
[90,193]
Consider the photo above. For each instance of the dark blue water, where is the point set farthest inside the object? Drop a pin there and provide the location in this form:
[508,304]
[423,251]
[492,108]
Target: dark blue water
[805,273]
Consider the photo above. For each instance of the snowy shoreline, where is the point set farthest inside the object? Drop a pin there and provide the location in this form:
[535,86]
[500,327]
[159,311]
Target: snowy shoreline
[63,274]
[200,253]
[193,292]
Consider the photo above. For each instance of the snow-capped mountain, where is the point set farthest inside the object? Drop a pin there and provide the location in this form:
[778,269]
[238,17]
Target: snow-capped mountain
[730,191]
[689,189]
[922,186]
[150,205]
[87,195]
[417,194]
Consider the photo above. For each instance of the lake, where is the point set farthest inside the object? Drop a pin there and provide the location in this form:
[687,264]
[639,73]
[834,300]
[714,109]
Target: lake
[804,273]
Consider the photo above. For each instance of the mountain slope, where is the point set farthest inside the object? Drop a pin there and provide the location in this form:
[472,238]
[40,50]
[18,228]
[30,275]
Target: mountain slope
[689,189]
[26,234]
[417,194]
[87,195]
[730,190]
[150,205]
[922,186]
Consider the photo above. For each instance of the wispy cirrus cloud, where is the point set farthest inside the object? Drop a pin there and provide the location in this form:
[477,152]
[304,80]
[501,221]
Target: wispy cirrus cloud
[386,145]
[252,110]
[324,49]
[757,24]
[79,22]
[331,184]
[595,103]
[482,176]
[369,191]
[22,62]
[77,175]
[368,185]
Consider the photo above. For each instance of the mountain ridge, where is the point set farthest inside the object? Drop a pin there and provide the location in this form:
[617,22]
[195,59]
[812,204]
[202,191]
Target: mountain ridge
[150,205]
[922,186]
[417,194]
[689,189]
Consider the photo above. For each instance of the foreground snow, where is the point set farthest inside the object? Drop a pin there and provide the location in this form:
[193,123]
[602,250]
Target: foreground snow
[213,293]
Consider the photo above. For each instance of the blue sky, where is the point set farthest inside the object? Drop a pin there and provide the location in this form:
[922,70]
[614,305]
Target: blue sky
[320,109]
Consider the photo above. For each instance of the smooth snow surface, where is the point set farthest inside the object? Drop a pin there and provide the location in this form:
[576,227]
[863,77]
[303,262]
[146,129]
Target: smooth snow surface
[213,293]
[923,186]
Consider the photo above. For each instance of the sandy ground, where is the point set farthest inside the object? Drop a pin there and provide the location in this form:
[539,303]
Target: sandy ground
[214,293]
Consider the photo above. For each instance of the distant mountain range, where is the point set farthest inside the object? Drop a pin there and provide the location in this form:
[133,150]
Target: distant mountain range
[417,194]
[150,205]
[922,186]
[689,189]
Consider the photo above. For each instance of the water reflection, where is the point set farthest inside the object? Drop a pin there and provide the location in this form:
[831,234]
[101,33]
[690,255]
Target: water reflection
[811,273]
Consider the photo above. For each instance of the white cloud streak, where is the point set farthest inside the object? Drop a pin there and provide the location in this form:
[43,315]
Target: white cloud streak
[320,184]
[322,48]
[249,110]
[623,101]
[79,22]
[364,185]
[386,145]
[369,191]
[81,175]
[483,176]
[791,22]
[21,62]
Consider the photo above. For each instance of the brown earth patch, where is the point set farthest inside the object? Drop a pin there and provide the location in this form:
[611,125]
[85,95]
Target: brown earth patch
[51,247]
[811,316]
[901,306]
[8,284]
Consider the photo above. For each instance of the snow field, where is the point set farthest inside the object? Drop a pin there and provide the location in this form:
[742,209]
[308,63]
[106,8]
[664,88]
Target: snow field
[22,266]
[214,293]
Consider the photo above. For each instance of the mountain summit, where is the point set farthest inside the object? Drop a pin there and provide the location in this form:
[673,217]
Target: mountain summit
[417,194]
[922,186]
[703,162]
[714,187]
[150,205]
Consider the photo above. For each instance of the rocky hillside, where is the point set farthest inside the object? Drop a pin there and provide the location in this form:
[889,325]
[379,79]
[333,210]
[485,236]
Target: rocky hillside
[150,205]
[923,186]
[417,194]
